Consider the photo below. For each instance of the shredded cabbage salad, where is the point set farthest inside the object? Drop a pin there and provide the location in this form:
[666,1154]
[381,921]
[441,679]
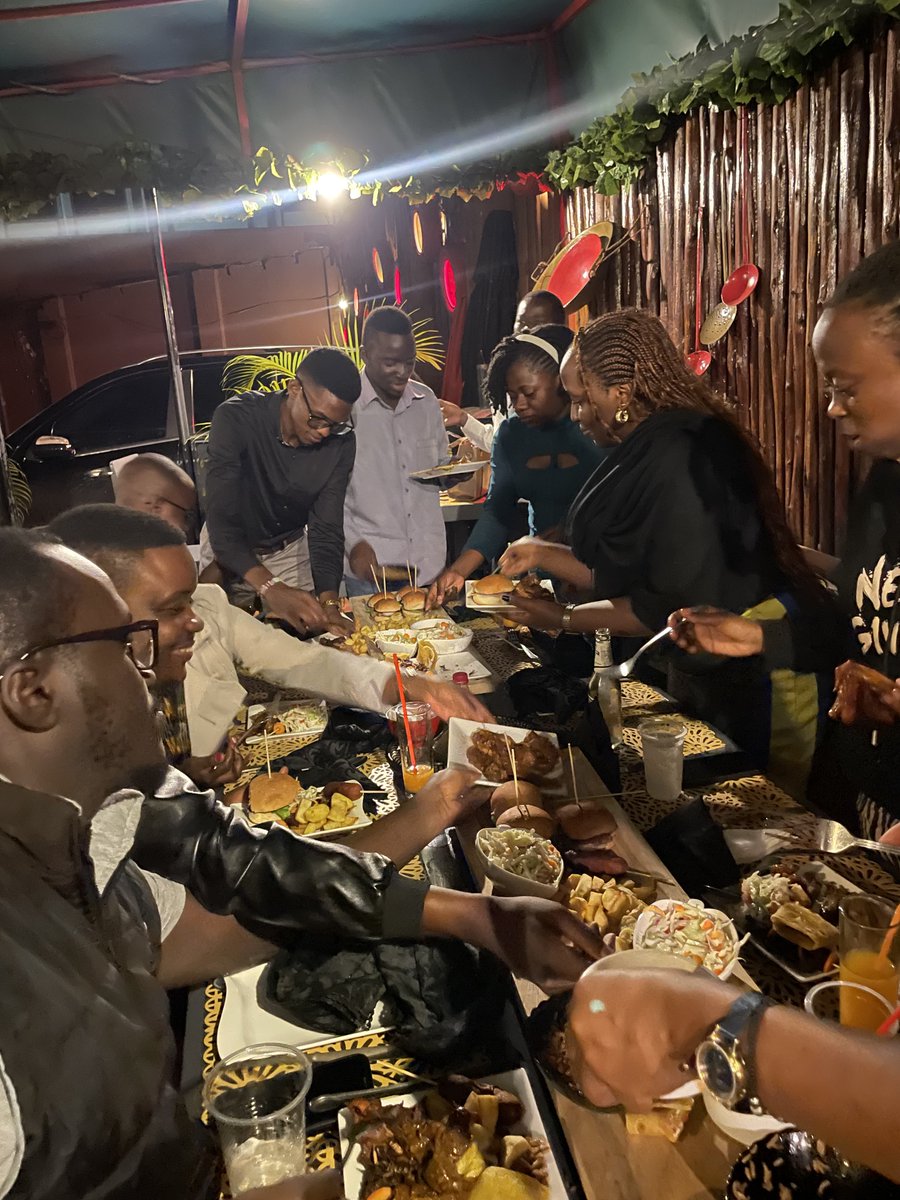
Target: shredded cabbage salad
[691,931]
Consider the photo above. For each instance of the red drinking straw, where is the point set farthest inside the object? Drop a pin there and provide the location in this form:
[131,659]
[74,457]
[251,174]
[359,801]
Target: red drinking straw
[409,737]
[883,1028]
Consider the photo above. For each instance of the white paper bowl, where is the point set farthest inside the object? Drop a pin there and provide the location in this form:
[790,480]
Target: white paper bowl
[389,645]
[742,1127]
[442,645]
[643,922]
[507,882]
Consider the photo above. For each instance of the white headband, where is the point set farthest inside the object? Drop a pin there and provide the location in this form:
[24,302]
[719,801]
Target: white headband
[547,347]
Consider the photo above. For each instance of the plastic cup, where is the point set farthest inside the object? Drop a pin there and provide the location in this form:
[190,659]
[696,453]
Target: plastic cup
[662,742]
[417,755]
[831,1000]
[869,947]
[257,1097]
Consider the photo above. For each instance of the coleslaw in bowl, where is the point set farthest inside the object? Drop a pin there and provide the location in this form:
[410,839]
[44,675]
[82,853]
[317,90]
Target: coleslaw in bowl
[704,936]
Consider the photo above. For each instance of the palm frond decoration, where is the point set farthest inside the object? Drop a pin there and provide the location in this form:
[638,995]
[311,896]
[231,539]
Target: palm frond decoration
[269,373]
[261,373]
[19,492]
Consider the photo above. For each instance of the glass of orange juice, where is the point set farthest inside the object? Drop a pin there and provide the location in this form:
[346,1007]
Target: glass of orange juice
[416,751]
[829,1001]
[869,946]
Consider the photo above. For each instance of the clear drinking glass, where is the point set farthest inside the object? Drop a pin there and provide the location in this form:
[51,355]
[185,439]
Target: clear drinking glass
[421,751]
[662,741]
[835,998]
[869,948]
[257,1096]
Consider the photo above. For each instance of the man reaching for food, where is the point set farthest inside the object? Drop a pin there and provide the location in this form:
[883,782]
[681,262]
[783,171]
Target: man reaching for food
[86,1108]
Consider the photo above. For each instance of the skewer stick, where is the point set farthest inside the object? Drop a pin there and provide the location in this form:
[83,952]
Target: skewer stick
[416,577]
[268,759]
[383,580]
[512,762]
[409,573]
[574,784]
[375,577]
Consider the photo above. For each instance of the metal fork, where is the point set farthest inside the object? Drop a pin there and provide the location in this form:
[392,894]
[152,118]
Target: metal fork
[623,670]
[830,837]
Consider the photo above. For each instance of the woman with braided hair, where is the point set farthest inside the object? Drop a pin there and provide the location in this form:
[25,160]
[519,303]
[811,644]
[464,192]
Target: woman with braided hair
[539,454]
[683,506]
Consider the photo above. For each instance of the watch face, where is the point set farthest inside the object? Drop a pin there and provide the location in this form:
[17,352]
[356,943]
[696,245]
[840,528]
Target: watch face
[717,1072]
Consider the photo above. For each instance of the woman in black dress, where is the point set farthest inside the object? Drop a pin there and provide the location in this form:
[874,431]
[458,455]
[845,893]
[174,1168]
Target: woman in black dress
[683,506]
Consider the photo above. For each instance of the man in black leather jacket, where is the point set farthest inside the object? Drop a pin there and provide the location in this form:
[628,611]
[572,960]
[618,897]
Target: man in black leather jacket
[284,888]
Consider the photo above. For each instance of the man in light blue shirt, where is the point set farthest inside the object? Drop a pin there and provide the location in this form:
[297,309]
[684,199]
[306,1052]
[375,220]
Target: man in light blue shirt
[389,519]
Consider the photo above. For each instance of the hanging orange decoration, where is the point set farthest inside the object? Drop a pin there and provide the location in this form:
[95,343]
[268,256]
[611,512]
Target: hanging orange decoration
[377,265]
[418,235]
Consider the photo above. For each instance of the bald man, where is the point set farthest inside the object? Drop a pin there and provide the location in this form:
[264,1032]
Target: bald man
[539,308]
[153,483]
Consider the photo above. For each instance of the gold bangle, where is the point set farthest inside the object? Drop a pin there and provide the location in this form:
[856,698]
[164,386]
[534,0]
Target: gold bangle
[566,622]
[330,603]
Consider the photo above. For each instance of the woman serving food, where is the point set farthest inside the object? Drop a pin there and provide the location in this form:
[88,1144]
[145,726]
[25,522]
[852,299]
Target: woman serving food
[683,506]
[539,454]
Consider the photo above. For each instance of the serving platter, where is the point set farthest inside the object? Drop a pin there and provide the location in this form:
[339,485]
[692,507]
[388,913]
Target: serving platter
[473,602]
[447,471]
[516,1081]
[460,737]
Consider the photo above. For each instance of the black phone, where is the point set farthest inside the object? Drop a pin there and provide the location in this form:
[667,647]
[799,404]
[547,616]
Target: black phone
[345,1074]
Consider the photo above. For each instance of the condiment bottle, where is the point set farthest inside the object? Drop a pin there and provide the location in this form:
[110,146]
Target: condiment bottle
[605,692]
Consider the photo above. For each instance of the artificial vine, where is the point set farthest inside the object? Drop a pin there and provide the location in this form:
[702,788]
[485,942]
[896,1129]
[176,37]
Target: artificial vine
[766,65]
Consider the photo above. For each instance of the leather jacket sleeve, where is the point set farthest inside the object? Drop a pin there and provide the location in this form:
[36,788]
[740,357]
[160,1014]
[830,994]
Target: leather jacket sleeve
[280,886]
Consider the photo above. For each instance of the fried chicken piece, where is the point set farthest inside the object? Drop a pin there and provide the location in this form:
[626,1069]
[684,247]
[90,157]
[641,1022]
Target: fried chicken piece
[858,696]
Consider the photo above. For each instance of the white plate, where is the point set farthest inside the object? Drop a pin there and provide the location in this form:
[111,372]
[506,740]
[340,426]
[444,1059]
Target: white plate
[448,471]
[449,664]
[472,601]
[361,820]
[531,1124]
[245,1022]
[460,735]
[317,726]
[455,645]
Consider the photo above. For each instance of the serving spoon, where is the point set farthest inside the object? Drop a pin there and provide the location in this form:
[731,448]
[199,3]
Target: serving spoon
[626,669]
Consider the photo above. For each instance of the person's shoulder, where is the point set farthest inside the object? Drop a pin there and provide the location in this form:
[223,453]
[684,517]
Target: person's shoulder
[244,405]
[209,598]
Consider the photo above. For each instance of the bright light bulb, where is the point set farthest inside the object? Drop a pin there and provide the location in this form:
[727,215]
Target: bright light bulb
[330,185]
[343,304]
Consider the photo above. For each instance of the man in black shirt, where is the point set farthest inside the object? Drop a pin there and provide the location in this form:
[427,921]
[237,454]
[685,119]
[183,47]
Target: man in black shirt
[278,469]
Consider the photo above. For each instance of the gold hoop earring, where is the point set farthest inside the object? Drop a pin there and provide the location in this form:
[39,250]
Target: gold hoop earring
[623,416]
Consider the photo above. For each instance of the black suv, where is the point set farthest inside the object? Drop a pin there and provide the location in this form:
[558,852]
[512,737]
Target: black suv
[66,449]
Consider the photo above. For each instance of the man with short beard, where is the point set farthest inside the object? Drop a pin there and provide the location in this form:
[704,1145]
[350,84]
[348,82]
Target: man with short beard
[86,1107]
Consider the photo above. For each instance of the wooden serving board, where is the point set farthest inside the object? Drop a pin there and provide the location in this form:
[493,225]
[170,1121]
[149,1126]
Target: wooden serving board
[478,687]
[612,1164]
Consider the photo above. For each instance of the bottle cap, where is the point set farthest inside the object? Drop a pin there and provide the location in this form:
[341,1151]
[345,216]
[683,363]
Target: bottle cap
[461,678]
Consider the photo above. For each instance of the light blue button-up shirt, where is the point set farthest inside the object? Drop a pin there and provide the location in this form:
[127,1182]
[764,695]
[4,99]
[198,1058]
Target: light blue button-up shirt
[399,517]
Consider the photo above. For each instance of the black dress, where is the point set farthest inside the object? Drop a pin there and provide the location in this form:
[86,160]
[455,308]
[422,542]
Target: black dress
[671,519]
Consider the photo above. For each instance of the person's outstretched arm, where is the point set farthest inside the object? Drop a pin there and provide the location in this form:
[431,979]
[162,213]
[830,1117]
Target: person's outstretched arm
[630,1031]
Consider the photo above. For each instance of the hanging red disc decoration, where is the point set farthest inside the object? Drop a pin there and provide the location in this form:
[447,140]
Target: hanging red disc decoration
[377,265]
[448,284]
[569,274]
[398,286]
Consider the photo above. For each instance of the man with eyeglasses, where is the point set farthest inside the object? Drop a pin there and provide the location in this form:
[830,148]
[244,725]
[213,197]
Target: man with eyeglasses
[279,464]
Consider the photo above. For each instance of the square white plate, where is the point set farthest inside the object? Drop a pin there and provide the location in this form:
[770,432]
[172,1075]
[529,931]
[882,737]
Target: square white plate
[460,735]
[531,1124]
[447,664]
[245,1022]
[472,602]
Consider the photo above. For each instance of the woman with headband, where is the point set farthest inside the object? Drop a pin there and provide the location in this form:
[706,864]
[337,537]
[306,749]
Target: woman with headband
[539,454]
[683,506]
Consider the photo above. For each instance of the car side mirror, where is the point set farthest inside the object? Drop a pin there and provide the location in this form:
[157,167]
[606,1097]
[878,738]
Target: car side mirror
[50,447]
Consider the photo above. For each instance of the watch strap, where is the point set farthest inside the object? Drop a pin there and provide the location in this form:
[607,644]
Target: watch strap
[741,1025]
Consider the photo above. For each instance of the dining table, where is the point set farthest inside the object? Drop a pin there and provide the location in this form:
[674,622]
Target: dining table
[604,1162]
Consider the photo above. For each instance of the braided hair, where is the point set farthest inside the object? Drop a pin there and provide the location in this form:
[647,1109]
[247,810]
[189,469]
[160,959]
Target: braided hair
[517,349]
[633,347]
[875,285]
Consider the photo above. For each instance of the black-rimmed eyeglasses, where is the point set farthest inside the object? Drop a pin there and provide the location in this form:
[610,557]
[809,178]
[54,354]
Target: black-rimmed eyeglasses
[140,639]
[318,420]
